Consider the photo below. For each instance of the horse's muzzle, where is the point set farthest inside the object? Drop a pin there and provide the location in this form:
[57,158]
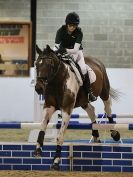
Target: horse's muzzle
[38,89]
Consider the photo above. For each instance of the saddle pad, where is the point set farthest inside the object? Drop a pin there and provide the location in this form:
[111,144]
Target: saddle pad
[91,73]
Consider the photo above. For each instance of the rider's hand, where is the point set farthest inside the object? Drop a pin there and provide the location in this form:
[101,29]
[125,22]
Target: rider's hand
[61,51]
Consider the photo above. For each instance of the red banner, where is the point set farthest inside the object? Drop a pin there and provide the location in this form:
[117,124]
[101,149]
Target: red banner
[11,39]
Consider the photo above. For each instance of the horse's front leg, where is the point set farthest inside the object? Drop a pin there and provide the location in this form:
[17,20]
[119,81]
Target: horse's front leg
[107,108]
[47,114]
[91,113]
[60,140]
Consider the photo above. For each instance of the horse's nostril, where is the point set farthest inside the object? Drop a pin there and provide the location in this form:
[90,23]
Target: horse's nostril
[38,89]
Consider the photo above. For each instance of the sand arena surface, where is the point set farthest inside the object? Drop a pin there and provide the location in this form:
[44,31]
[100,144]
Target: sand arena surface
[61,174]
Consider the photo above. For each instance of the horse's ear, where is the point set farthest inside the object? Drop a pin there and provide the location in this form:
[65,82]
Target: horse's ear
[48,48]
[39,51]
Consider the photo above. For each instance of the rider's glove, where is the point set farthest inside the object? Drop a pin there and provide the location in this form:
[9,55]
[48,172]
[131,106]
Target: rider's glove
[61,51]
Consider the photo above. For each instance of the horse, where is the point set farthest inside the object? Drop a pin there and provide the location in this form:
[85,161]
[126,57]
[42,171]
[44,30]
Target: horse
[57,82]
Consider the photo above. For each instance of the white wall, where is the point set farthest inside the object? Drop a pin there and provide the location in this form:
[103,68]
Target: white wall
[17,96]
[16,99]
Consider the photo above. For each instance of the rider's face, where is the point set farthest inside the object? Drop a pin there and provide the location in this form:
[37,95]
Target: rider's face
[71,27]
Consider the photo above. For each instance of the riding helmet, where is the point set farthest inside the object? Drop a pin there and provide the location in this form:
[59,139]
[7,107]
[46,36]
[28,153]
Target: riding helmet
[72,18]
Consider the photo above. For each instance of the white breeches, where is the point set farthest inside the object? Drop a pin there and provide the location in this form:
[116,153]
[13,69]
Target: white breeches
[79,58]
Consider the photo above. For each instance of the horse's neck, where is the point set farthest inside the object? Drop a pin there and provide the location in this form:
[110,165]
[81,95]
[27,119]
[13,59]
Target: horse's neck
[66,77]
[60,73]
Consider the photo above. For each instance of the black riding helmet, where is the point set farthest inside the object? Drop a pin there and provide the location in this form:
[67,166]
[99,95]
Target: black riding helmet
[72,18]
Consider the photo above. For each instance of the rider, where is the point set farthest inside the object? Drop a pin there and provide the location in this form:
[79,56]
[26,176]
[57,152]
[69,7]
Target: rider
[69,39]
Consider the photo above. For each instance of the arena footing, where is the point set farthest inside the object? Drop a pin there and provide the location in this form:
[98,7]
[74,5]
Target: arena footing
[77,155]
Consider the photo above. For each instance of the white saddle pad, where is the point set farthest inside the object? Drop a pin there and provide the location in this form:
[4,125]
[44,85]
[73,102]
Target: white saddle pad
[91,73]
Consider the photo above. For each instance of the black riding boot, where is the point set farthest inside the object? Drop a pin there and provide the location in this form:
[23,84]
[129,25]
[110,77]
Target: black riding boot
[88,89]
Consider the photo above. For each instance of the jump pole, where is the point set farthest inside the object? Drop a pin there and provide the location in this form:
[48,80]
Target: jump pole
[78,126]
[75,116]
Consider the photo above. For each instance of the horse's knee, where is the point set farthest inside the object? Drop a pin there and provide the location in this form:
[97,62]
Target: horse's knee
[44,124]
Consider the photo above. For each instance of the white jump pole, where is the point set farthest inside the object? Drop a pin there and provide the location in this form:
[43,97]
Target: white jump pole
[78,126]
[76,116]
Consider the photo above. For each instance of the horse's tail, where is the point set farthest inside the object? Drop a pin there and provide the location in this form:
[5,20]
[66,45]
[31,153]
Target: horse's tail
[115,94]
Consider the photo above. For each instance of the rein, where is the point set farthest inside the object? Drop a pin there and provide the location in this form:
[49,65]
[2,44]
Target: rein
[48,80]
[56,72]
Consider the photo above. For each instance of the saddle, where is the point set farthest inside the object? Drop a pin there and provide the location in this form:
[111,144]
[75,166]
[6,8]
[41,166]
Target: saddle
[66,58]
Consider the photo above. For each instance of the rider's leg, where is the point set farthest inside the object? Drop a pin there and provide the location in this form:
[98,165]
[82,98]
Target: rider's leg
[86,82]
[87,87]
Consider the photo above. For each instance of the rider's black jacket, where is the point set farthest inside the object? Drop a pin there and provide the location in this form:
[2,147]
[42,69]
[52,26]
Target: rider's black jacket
[67,40]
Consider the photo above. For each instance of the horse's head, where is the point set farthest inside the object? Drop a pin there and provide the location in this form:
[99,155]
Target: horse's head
[46,66]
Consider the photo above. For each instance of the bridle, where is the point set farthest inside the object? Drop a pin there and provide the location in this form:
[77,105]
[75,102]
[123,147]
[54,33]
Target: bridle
[53,73]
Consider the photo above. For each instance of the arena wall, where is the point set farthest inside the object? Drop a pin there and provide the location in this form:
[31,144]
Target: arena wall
[107,25]
[17,96]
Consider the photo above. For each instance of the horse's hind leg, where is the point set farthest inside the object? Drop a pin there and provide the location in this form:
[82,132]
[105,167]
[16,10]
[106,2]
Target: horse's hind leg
[48,112]
[91,113]
[107,108]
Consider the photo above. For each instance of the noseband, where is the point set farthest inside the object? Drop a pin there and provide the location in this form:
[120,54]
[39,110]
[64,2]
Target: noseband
[52,73]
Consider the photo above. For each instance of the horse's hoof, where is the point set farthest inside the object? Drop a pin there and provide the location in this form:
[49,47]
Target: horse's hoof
[115,135]
[55,167]
[37,152]
[96,140]
[111,120]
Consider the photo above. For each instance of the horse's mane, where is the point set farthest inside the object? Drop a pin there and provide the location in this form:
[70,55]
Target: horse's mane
[47,51]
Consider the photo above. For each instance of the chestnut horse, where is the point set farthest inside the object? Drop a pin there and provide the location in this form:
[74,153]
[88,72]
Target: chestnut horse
[57,82]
